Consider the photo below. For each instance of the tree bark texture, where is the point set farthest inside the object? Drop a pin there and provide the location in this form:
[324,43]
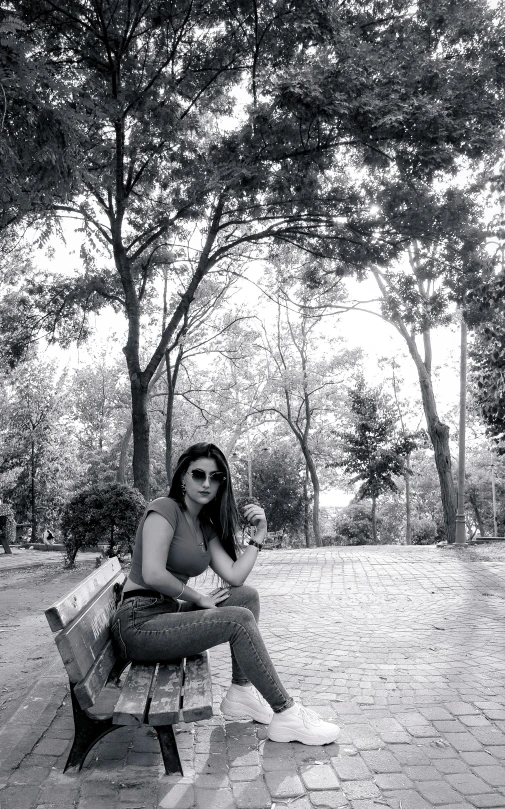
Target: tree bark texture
[374,520]
[33,494]
[439,435]
[408,503]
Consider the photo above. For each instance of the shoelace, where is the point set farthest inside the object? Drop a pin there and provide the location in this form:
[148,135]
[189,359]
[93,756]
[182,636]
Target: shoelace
[309,717]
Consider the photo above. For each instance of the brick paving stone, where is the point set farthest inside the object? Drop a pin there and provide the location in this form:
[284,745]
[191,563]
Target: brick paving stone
[333,799]
[244,773]
[350,768]
[381,761]
[320,777]
[393,780]
[435,713]
[450,766]
[355,790]
[437,792]
[18,797]
[368,742]
[475,721]
[478,759]
[407,799]
[51,747]
[468,784]
[494,775]
[177,796]
[214,799]
[408,754]
[461,708]
[284,784]
[489,736]
[26,776]
[251,795]
[489,801]
[103,802]
[421,772]
[463,742]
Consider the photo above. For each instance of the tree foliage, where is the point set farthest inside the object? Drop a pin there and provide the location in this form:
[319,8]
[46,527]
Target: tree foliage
[101,513]
[373,452]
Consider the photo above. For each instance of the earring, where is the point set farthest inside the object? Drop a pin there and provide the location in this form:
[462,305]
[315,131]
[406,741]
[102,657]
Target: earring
[183,488]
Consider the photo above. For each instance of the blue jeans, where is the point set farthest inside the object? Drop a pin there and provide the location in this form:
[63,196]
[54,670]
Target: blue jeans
[153,630]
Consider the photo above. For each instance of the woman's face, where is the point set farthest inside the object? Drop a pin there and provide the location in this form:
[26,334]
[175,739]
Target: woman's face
[200,488]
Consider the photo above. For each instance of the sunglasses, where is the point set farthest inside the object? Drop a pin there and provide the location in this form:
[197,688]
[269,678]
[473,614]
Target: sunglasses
[200,476]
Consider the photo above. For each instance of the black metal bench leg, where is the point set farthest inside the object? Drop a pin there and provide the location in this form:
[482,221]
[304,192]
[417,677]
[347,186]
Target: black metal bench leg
[88,731]
[169,751]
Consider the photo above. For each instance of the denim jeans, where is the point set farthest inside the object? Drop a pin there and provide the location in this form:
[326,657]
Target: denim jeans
[152,630]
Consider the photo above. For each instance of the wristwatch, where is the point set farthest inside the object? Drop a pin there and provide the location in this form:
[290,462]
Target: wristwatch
[257,545]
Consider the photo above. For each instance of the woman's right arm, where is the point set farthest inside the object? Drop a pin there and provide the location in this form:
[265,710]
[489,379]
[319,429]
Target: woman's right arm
[157,535]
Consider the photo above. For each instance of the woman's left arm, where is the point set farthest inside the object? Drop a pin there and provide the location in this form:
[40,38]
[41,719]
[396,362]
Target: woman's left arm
[235,573]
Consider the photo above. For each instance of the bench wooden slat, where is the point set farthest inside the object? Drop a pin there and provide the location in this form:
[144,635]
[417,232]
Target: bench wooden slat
[67,608]
[166,699]
[131,705]
[81,642]
[88,689]
[197,701]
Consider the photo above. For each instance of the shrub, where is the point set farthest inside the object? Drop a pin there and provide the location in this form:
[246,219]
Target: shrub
[354,525]
[425,531]
[102,513]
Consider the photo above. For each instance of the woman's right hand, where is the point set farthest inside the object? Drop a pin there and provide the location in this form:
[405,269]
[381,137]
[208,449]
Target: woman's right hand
[211,601]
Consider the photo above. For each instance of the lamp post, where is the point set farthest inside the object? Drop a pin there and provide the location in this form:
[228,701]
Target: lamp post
[460,516]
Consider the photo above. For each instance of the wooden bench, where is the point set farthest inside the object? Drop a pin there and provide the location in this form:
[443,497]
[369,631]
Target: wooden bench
[159,695]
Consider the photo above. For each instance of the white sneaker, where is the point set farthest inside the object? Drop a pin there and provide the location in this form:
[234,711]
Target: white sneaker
[244,700]
[300,724]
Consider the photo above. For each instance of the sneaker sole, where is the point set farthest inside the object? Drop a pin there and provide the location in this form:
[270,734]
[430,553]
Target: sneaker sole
[234,710]
[289,736]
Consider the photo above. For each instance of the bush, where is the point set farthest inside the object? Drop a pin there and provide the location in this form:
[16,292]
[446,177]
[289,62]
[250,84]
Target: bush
[354,525]
[102,513]
[425,531]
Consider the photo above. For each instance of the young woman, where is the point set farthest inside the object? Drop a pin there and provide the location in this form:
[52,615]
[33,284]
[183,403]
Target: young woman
[162,618]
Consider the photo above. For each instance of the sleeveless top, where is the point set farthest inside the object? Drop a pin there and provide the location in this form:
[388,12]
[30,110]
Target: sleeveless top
[186,558]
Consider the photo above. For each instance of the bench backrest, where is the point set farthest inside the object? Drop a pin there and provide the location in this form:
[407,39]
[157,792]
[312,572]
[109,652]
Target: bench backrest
[83,617]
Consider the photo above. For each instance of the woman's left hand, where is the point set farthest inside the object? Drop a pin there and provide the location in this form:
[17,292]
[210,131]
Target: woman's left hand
[255,516]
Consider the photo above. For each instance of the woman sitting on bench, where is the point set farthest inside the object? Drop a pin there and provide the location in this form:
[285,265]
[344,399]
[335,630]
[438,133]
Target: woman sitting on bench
[161,618]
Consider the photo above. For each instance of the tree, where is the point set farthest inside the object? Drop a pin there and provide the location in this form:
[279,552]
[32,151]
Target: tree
[107,513]
[304,389]
[37,158]
[277,482]
[147,97]
[165,147]
[37,450]
[372,451]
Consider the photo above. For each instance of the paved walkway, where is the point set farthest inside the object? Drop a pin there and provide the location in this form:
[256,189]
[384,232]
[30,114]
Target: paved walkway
[404,646]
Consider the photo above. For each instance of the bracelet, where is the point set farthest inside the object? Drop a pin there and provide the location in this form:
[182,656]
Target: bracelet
[180,594]
[256,544]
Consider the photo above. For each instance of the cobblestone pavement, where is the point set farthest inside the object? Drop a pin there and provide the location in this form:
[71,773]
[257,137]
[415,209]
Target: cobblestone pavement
[405,647]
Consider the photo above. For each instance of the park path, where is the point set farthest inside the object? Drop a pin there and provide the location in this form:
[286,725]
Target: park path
[405,647]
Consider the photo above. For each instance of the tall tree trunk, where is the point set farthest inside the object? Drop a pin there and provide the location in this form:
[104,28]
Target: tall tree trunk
[125,443]
[171,383]
[314,479]
[306,510]
[438,432]
[408,503]
[140,426]
[472,496]
[33,495]
[374,520]
[439,435]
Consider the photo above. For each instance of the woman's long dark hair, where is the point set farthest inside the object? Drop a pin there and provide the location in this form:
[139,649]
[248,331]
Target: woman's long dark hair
[222,511]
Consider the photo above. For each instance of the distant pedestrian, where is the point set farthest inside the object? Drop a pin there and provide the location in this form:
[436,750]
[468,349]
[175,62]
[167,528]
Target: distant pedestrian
[181,536]
[48,536]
